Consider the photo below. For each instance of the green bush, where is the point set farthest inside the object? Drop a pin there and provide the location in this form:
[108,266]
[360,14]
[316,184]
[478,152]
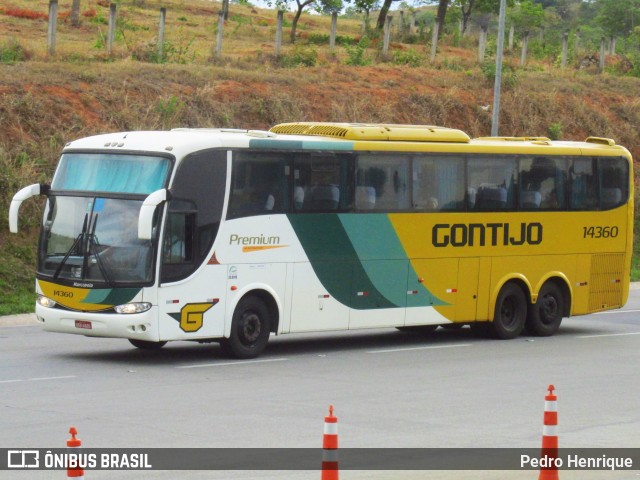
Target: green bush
[357,53]
[11,51]
[302,56]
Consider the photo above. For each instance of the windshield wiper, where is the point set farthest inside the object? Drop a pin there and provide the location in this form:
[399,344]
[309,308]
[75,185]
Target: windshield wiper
[74,246]
[92,243]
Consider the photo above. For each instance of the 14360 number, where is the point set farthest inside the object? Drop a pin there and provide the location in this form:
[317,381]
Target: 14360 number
[600,232]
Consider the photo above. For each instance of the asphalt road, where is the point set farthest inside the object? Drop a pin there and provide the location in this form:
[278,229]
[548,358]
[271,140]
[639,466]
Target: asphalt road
[389,389]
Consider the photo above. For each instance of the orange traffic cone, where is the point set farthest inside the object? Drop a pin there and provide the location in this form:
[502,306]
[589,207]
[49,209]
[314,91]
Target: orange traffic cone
[75,472]
[330,447]
[550,437]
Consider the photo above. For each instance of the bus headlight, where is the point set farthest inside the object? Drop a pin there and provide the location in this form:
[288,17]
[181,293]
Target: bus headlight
[45,301]
[136,307]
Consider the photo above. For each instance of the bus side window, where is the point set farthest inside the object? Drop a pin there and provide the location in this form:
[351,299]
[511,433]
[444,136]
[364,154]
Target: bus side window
[320,182]
[259,184]
[177,246]
[493,181]
[583,184]
[438,183]
[614,181]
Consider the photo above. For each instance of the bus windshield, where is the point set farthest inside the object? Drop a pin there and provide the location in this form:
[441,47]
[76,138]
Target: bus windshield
[94,239]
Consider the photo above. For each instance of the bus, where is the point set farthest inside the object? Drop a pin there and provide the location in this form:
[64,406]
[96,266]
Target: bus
[229,236]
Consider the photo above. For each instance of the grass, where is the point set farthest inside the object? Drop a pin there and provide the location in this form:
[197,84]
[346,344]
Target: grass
[46,102]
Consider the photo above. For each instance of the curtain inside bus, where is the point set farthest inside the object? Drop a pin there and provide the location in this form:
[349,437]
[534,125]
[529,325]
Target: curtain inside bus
[115,173]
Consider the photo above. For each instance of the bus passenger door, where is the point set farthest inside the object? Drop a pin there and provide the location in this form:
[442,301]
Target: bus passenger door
[378,293]
[467,292]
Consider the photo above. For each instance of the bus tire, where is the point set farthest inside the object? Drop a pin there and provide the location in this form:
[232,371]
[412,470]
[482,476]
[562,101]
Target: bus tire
[250,329]
[147,345]
[510,312]
[546,314]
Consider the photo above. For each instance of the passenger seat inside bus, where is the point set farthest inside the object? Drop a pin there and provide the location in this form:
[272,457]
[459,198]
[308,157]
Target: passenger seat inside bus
[490,197]
[530,199]
[325,197]
[365,197]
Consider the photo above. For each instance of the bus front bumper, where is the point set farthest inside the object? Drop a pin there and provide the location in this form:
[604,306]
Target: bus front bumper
[138,326]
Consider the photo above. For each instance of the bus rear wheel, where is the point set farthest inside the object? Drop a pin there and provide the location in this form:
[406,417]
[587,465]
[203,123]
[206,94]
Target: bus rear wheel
[546,314]
[250,329]
[510,313]
[147,345]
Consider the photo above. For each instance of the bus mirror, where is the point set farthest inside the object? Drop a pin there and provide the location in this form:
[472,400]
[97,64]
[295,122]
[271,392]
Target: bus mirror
[145,220]
[18,198]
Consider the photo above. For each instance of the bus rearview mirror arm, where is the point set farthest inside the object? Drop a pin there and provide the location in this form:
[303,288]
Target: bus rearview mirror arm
[145,219]
[21,196]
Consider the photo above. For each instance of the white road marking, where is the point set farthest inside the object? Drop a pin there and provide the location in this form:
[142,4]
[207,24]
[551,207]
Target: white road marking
[239,362]
[609,335]
[433,347]
[37,379]
[610,312]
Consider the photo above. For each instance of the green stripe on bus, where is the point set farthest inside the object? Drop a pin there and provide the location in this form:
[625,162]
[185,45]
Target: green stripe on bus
[335,261]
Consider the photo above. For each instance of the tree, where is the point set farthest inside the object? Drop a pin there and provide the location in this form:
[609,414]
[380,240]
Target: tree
[442,13]
[382,17]
[616,17]
[321,6]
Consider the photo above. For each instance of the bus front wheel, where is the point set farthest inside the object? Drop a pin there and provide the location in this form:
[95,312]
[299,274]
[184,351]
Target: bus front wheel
[510,312]
[250,329]
[546,314]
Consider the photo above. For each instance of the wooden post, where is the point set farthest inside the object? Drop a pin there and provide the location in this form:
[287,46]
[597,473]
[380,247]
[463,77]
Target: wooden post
[482,42]
[612,45]
[75,13]
[218,53]
[602,54]
[434,41]
[334,29]
[412,25]
[401,25]
[565,47]
[512,31]
[112,27]
[525,42]
[279,32]
[387,35]
[163,19]
[51,31]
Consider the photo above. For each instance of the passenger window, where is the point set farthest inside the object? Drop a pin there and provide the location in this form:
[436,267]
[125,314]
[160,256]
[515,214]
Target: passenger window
[491,183]
[542,183]
[320,183]
[383,183]
[614,174]
[583,184]
[438,183]
[259,184]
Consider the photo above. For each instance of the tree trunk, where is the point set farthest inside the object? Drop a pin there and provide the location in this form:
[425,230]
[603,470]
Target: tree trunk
[442,12]
[382,18]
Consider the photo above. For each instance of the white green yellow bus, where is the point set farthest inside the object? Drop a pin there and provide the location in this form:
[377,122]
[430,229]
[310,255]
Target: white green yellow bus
[229,236]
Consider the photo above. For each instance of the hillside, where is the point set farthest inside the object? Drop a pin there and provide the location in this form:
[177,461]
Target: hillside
[46,102]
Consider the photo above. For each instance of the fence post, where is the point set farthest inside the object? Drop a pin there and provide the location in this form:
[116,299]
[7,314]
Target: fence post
[279,31]
[512,31]
[163,19]
[482,42]
[334,29]
[602,54]
[565,46]
[218,53]
[525,42]
[112,27]
[434,40]
[387,35]
[51,30]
